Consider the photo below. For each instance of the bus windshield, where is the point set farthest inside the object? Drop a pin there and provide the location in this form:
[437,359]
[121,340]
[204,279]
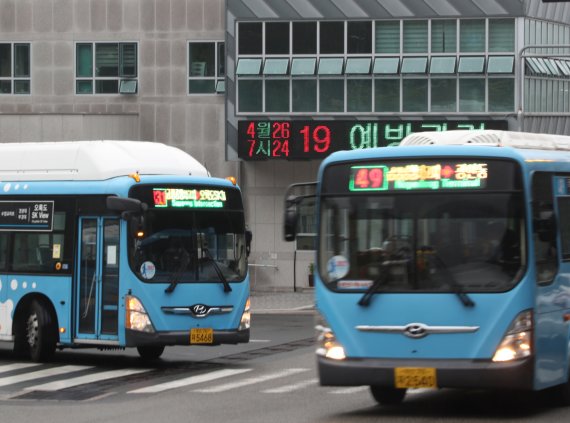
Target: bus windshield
[436,241]
[191,244]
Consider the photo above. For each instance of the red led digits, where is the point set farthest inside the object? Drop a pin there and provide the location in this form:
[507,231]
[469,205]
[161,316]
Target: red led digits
[319,139]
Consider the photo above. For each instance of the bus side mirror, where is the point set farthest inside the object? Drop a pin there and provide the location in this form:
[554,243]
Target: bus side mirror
[123,204]
[290,218]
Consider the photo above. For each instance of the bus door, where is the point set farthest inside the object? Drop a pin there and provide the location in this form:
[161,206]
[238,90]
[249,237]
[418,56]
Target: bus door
[97,279]
[552,278]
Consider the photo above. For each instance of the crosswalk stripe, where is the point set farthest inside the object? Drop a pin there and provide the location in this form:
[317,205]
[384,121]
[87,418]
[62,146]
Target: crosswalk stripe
[192,380]
[290,388]
[55,371]
[351,390]
[81,380]
[17,366]
[251,381]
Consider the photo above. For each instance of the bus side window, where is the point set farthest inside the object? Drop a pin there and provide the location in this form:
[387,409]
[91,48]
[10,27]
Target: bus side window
[544,228]
[3,250]
[564,222]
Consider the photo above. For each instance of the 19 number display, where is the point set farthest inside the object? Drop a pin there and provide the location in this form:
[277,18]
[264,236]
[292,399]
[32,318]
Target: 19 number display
[312,139]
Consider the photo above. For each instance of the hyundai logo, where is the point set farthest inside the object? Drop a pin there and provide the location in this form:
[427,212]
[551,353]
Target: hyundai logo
[416,330]
[200,310]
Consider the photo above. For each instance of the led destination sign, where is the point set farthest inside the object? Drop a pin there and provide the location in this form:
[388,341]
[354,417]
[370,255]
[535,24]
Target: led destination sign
[313,139]
[189,198]
[26,215]
[418,176]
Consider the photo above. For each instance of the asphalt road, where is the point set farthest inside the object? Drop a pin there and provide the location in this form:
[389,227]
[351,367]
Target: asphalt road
[272,379]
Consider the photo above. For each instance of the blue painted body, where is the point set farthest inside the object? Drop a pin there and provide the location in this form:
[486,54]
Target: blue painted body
[493,312]
[60,291]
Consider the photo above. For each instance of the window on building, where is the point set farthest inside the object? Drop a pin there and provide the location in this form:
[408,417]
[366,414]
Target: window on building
[414,65]
[101,67]
[444,95]
[304,37]
[443,36]
[442,65]
[415,36]
[359,95]
[331,98]
[331,66]
[472,95]
[387,37]
[206,67]
[415,95]
[501,35]
[304,95]
[15,68]
[359,37]
[248,67]
[250,93]
[250,39]
[471,64]
[387,95]
[358,66]
[277,38]
[501,94]
[472,35]
[277,95]
[331,37]
[276,67]
[501,64]
[303,66]
[386,66]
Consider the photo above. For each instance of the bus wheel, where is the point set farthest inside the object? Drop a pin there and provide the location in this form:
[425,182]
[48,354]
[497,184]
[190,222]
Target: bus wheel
[387,396]
[40,333]
[150,352]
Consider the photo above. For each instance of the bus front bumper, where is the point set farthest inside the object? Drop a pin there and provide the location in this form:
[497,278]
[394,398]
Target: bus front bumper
[137,339]
[484,374]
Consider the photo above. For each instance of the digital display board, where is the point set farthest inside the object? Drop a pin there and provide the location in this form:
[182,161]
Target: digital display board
[189,198]
[314,139]
[26,215]
[418,176]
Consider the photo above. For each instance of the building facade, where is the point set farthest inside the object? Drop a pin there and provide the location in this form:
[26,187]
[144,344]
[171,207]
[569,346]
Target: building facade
[306,78]
[265,89]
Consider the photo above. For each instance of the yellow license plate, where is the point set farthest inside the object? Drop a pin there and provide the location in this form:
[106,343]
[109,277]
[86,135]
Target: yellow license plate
[202,336]
[415,377]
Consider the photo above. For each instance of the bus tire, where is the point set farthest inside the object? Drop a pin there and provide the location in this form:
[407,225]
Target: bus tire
[150,352]
[40,333]
[387,396]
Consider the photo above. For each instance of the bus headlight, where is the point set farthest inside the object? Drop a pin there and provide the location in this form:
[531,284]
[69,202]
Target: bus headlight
[517,342]
[327,345]
[245,322]
[136,316]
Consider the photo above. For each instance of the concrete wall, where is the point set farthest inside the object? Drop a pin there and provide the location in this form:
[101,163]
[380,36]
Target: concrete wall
[161,111]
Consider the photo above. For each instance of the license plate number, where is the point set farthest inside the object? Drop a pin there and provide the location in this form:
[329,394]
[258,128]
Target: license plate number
[201,336]
[415,377]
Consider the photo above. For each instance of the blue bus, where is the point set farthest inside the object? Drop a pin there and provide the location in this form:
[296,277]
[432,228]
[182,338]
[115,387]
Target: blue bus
[114,244]
[444,263]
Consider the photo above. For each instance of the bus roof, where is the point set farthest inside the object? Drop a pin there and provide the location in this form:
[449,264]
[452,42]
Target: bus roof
[93,160]
[524,140]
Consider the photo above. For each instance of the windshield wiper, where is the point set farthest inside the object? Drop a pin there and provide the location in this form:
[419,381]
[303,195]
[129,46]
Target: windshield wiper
[367,297]
[227,287]
[457,288]
[175,278]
